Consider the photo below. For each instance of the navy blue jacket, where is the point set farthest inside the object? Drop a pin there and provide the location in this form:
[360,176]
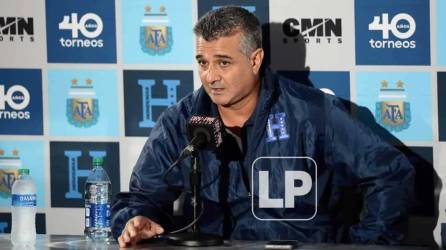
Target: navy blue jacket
[348,157]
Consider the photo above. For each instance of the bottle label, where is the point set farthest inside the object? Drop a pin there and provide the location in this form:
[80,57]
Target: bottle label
[97,215]
[23,200]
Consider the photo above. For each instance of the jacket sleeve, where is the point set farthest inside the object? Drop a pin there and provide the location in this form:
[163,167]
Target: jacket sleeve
[148,194]
[380,170]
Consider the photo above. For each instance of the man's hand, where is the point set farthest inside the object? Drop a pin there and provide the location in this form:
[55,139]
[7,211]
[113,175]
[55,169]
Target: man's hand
[138,228]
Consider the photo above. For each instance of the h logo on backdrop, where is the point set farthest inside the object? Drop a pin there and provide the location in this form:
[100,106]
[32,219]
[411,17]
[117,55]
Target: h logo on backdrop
[5,223]
[284,186]
[3,227]
[21,102]
[81,32]
[396,34]
[74,172]
[148,93]
[148,102]
[71,163]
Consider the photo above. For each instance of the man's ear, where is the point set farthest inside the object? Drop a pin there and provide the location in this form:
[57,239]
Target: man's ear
[256,60]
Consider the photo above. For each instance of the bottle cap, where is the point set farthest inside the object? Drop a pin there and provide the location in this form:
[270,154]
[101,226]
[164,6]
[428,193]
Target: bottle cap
[24,171]
[98,161]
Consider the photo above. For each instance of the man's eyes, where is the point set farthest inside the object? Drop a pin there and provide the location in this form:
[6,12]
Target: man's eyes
[201,62]
[224,63]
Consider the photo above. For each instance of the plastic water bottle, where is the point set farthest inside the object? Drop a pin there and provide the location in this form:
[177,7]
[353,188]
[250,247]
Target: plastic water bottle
[23,209]
[97,203]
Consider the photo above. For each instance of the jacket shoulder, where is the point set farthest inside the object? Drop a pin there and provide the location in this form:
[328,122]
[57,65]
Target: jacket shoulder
[302,93]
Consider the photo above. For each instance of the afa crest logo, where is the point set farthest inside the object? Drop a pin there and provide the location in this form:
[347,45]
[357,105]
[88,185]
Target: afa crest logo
[82,104]
[156,32]
[9,166]
[392,111]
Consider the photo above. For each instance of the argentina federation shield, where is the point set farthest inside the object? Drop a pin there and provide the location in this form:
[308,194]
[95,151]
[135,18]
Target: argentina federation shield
[7,178]
[82,112]
[82,108]
[155,32]
[393,115]
[9,166]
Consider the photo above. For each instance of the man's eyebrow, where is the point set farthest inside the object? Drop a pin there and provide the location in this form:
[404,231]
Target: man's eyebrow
[223,56]
[217,56]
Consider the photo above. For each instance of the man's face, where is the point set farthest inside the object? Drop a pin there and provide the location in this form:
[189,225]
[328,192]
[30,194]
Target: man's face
[229,76]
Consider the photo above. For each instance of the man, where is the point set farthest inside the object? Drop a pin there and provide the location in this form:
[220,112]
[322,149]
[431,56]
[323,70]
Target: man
[229,54]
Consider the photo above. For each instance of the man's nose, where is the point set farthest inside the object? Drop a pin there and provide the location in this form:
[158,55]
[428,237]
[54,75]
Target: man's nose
[212,75]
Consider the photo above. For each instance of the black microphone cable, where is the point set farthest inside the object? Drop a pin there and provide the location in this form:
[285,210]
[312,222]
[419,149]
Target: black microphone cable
[201,139]
[188,150]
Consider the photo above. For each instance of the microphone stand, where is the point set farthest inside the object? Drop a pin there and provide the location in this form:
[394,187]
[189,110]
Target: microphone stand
[195,238]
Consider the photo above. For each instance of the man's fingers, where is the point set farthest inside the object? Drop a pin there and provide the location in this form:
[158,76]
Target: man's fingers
[159,229]
[138,228]
[121,241]
[127,240]
[138,222]
[150,230]
[133,227]
[147,234]
[133,231]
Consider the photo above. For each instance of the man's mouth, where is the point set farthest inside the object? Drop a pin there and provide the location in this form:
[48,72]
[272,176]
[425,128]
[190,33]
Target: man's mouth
[217,91]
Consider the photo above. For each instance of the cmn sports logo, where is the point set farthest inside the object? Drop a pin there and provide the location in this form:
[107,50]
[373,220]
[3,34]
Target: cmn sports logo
[284,183]
[16,29]
[314,30]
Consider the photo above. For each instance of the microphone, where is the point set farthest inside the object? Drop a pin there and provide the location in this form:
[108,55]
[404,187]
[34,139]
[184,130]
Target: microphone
[204,132]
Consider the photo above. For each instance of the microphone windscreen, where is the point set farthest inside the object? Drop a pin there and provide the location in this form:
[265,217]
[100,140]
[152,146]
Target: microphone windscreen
[208,127]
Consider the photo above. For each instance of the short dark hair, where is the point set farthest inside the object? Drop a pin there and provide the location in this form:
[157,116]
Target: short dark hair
[228,20]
